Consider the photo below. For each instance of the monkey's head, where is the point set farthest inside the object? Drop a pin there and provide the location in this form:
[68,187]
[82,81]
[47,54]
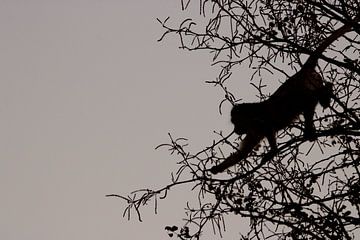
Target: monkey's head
[243,116]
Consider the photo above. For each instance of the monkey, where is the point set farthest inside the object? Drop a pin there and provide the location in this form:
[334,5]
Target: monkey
[264,119]
[298,95]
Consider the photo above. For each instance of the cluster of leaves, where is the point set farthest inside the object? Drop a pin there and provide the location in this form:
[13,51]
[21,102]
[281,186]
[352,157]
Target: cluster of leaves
[303,190]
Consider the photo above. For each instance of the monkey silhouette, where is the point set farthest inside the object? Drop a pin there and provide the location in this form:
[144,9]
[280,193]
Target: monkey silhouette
[298,95]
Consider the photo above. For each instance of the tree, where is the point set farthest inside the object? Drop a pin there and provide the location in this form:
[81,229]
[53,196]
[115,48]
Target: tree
[305,190]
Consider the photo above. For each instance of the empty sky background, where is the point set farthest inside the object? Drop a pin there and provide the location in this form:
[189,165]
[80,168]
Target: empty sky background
[86,93]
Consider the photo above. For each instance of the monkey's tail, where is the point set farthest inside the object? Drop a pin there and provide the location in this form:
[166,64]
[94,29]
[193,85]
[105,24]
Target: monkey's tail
[314,57]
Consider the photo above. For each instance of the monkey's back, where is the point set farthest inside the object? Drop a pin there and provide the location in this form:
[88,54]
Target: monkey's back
[297,95]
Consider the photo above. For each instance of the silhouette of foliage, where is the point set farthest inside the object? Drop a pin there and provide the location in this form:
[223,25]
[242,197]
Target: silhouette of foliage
[304,190]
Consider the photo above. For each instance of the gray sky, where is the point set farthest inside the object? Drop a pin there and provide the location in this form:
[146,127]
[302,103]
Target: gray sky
[86,93]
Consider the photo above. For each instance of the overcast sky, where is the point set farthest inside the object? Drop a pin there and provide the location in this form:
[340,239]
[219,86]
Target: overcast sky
[86,93]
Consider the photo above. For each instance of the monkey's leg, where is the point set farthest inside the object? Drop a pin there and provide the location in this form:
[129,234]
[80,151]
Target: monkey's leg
[249,142]
[272,140]
[325,94]
[309,130]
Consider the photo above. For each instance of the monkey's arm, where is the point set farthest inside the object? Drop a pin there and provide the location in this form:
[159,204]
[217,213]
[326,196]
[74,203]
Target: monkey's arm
[247,145]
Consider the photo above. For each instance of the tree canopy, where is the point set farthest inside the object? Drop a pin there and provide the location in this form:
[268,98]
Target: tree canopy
[305,190]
